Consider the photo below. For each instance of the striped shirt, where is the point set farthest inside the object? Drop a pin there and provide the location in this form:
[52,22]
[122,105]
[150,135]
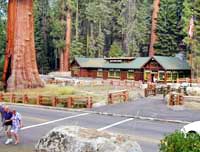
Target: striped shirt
[16,120]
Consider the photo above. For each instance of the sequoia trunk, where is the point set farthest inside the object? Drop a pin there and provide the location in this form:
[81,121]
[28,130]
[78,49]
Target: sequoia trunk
[20,68]
[153,26]
[64,56]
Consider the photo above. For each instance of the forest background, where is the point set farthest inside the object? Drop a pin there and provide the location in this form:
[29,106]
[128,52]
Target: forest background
[109,28]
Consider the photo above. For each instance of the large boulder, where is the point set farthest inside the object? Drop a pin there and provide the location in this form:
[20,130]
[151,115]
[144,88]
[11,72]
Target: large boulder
[77,139]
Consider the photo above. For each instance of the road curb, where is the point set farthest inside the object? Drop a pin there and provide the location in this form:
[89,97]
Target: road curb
[103,113]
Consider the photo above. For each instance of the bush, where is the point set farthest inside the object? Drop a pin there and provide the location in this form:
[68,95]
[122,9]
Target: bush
[177,142]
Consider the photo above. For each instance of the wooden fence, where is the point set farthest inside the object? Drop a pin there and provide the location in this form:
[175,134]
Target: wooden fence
[117,83]
[175,99]
[150,90]
[117,95]
[70,102]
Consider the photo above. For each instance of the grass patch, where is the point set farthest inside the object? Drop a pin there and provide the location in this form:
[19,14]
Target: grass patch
[49,90]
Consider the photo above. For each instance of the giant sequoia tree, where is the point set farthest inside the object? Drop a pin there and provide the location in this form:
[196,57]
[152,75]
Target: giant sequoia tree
[20,68]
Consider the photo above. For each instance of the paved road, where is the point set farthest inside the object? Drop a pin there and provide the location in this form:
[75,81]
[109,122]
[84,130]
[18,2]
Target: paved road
[37,122]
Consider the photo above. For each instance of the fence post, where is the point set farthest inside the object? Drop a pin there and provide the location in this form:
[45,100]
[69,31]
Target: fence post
[12,98]
[89,102]
[39,99]
[54,101]
[1,97]
[69,102]
[125,95]
[110,98]
[25,99]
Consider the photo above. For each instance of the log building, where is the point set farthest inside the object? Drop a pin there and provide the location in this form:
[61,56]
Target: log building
[155,68]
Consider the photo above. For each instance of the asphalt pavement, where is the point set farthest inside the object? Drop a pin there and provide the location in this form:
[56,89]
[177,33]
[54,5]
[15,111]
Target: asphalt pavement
[39,121]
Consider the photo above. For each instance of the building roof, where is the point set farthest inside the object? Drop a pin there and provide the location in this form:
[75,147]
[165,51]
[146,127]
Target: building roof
[168,63]
[172,63]
[90,62]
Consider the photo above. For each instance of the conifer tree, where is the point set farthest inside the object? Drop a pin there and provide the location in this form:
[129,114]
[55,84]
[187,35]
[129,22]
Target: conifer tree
[41,15]
[169,27]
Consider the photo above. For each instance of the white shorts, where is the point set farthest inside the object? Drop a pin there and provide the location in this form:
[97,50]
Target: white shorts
[15,130]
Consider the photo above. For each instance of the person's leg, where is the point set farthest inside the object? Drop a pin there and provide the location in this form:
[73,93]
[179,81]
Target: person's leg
[16,135]
[8,134]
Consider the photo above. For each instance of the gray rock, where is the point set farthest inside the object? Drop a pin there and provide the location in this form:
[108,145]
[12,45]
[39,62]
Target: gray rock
[193,91]
[77,139]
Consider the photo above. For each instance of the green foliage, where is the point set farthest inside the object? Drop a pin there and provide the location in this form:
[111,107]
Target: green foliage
[177,142]
[192,9]
[169,27]
[41,10]
[135,20]
[3,21]
[77,49]
[115,50]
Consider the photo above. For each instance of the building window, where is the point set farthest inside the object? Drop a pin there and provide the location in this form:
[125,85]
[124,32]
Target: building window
[130,75]
[174,76]
[147,75]
[182,75]
[114,74]
[100,73]
[169,76]
[161,76]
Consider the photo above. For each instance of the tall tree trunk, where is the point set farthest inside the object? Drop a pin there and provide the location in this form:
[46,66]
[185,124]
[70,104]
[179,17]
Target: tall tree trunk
[20,51]
[77,20]
[153,26]
[61,61]
[66,54]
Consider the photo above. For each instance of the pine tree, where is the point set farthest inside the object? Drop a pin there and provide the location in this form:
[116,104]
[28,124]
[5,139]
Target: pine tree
[195,45]
[41,11]
[191,10]
[115,50]
[134,20]
[169,27]
[98,14]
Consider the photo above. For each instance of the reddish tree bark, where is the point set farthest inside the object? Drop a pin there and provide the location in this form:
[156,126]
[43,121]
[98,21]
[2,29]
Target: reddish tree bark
[64,56]
[153,26]
[20,68]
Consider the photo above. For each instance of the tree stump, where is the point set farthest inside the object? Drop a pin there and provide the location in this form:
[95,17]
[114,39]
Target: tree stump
[20,68]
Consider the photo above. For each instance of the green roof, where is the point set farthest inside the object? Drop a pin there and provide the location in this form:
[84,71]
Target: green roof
[168,63]
[90,62]
[172,63]
[139,62]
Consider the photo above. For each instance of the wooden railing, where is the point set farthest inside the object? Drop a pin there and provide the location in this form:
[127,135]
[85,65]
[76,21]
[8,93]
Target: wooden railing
[150,90]
[117,95]
[117,83]
[70,101]
[175,99]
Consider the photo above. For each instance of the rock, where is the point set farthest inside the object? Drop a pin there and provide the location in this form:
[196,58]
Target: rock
[77,139]
[193,91]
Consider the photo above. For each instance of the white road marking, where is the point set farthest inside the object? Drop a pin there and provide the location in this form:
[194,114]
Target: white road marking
[115,124]
[50,122]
